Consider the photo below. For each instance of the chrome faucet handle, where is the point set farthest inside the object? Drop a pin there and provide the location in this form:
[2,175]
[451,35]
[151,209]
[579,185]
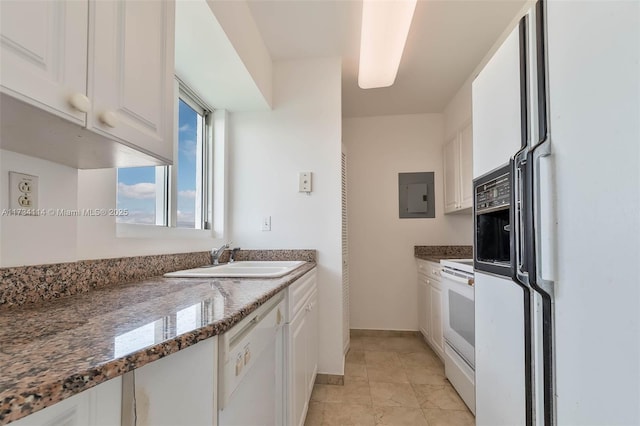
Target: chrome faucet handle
[232,255]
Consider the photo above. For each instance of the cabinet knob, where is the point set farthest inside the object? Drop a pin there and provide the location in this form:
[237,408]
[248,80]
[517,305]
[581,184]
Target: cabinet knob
[80,102]
[109,118]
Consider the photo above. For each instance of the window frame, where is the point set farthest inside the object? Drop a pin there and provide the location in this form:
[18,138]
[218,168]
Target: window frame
[166,213]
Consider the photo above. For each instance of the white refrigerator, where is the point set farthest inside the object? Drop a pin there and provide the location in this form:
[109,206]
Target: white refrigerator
[558,330]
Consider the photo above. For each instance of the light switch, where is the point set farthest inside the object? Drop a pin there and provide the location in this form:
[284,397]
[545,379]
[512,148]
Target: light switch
[304,182]
[266,223]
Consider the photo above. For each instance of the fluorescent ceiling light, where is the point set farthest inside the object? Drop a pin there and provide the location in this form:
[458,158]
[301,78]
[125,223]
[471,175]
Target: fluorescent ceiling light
[385,26]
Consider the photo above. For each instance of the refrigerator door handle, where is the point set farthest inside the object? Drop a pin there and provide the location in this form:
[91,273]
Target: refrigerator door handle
[519,206]
[543,201]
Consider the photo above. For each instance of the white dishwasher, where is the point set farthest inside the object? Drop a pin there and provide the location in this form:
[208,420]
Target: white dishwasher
[251,369]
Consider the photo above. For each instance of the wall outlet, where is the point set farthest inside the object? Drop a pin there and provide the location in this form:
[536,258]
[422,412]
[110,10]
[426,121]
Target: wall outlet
[23,191]
[266,223]
[304,182]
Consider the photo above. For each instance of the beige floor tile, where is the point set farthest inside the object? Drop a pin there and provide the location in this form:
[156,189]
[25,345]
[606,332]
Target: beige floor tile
[355,372]
[426,376]
[393,395]
[315,414]
[386,375]
[351,393]
[420,359]
[439,396]
[376,343]
[386,380]
[348,414]
[404,344]
[438,417]
[356,343]
[319,393]
[380,359]
[399,416]
[355,357]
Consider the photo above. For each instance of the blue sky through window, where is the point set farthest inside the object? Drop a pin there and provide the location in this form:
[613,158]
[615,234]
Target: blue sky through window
[137,185]
[137,194]
[190,121]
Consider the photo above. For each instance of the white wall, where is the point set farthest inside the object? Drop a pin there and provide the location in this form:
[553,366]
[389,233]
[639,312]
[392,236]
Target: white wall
[267,150]
[382,269]
[30,240]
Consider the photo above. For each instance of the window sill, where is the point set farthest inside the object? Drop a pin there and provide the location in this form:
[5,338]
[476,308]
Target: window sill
[127,230]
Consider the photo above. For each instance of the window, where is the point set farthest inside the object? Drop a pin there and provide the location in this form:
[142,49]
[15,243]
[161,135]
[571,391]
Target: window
[177,195]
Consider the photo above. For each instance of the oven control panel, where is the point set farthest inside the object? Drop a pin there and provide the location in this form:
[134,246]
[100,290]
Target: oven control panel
[494,194]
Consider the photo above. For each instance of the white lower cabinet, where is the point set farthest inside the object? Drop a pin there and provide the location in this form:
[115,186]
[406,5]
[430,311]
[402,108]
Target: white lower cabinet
[437,337]
[301,336]
[430,305]
[179,389]
[98,406]
[424,306]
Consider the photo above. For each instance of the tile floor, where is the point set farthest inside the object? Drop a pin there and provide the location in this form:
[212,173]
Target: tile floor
[389,381]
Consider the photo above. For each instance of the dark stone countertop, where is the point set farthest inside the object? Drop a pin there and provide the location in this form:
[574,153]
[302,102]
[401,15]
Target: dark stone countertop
[437,253]
[51,351]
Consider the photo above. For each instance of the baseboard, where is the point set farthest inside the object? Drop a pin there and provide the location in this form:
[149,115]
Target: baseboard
[383,333]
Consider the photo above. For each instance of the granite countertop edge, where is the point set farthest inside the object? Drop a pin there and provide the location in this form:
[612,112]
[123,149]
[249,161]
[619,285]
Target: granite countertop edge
[20,401]
[438,253]
[438,258]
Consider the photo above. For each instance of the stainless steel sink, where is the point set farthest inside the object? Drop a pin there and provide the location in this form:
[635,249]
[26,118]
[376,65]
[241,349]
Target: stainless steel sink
[244,269]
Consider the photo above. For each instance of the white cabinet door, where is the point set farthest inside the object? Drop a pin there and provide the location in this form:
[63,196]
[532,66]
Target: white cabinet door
[458,171]
[496,108]
[466,167]
[179,389]
[312,342]
[298,368]
[98,406]
[451,161]
[131,66]
[423,306]
[44,53]
[437,337]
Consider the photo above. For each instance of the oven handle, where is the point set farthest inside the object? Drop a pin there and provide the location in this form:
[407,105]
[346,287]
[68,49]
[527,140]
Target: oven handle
[456,278]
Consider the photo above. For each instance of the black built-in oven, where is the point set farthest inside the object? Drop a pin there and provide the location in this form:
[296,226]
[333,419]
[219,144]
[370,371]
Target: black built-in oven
[492,222]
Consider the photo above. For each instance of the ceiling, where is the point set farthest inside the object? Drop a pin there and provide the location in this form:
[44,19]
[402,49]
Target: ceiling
[447,40]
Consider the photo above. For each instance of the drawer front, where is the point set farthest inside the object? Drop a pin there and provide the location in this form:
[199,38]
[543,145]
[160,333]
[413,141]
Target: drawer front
[300,291]
[433,270]
[423,267]
[429,269]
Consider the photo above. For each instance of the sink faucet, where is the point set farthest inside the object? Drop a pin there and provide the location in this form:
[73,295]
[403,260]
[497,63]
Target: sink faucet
[217,252]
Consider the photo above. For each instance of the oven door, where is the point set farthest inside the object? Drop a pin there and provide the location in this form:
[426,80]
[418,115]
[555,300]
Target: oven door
[459,316]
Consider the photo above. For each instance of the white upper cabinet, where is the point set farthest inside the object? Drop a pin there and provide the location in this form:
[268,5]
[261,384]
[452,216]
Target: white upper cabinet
[131,58]
[43,52]
[466,167]
[495,97]
[105,67]
[458,171]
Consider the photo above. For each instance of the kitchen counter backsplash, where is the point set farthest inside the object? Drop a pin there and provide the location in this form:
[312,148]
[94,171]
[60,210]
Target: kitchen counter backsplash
[40,283]
[436,253]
